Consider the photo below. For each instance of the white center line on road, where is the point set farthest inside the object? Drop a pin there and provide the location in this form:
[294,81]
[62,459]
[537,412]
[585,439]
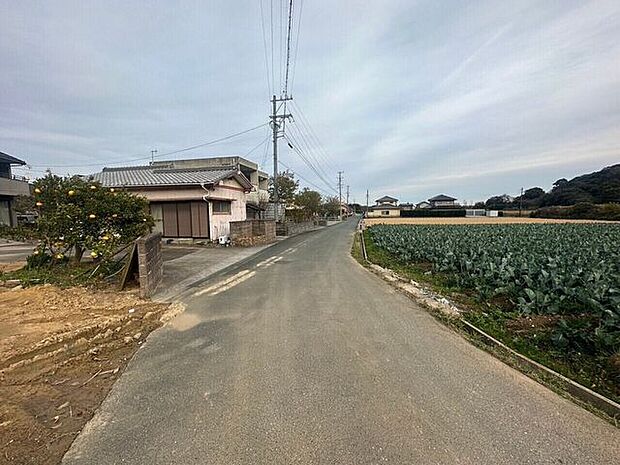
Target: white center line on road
[222,283]
[266,262]
[233,283]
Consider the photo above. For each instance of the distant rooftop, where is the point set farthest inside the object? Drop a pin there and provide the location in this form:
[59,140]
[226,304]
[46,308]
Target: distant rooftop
[441,198]
[6,158]
[386,198]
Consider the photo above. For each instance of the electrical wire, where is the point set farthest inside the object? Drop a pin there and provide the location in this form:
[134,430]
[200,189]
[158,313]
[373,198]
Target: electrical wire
[310,149]
[262,23]
[295,146]
[301,7]
[204,144]
[288,47]
[306,123]
[327,194]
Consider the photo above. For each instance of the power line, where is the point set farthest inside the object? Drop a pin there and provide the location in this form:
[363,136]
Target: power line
[305,180]
[273,77]
[257,146]
[309,150]
[262,23]
[306,159]
[288,46]
[301,6]
[212,142]
[308,163]
[306,123]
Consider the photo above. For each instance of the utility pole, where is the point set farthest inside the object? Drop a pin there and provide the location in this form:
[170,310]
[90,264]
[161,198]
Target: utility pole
[521,202]
[366,203]
[347,195]
[340,195]
[277,122]
[153,152]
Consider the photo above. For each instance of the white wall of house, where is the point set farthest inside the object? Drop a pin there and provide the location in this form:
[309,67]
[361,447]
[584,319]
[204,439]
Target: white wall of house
[219,223]
[383,213]
[443,203]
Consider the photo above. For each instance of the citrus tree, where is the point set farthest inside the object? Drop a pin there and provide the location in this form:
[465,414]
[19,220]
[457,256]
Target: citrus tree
[76,215]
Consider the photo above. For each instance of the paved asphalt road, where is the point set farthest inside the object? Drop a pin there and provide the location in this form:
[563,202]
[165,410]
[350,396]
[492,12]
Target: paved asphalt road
[300,356]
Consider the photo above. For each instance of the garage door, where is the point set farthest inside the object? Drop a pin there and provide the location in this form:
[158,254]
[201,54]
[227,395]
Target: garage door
[185,219]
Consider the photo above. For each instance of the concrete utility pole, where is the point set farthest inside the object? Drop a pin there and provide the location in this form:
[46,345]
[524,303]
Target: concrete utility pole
[366,214]
[340,194]
[153,152]
[347,195]
[521,202]
[277,122]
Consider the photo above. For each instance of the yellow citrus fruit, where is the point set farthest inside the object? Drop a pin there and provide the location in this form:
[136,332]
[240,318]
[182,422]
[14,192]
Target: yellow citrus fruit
[92,216]
[71,192]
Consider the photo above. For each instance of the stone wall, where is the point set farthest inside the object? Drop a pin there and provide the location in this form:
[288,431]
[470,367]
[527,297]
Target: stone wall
[252,232]
[290,228]
[150,263]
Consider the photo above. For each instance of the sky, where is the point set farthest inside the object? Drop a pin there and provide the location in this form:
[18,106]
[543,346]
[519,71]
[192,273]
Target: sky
[407,98]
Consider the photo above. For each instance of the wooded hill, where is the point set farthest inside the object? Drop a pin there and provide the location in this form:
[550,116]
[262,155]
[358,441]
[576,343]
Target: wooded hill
[595,188]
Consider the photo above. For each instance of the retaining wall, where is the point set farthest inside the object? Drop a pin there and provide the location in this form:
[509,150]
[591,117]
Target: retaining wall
[150,263]
[252,232]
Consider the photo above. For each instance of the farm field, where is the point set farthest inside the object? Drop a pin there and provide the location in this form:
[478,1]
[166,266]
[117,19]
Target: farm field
[474,220]
[551,291]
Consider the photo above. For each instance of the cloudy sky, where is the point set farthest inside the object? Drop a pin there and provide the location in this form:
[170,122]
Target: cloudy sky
[408,98]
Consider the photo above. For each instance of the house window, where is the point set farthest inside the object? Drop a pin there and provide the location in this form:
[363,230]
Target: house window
[385,212]
[221,207]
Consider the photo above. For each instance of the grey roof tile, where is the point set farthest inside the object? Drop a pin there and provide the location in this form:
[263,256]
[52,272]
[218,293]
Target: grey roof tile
[145,176]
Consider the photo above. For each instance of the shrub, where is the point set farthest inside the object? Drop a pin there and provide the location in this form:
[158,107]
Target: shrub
[77,215]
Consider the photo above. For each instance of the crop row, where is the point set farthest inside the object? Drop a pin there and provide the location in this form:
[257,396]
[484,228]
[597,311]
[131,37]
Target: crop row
[560,269]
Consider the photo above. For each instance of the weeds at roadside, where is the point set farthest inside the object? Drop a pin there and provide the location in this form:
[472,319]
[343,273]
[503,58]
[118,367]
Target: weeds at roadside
[498,319]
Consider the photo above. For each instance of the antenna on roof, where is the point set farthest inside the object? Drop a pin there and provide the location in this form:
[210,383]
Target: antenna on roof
[153,152]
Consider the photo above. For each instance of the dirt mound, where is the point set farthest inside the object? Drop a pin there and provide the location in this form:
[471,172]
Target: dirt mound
[60,352]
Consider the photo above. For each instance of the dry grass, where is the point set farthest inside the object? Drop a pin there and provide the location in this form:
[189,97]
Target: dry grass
[474,220]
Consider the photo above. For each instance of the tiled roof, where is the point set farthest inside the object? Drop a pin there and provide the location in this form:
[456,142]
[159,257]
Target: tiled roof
[386,198]
[147,176]
[6,158]
[441,198]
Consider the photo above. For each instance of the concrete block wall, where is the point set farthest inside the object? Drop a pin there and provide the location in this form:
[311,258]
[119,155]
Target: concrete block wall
[291,228]
[150,263]
[252,232]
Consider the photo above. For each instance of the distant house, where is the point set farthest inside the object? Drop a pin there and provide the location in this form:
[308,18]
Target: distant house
[10,187]
[194,199]
[442,201]
[386,206]
[406,206]
[423,204]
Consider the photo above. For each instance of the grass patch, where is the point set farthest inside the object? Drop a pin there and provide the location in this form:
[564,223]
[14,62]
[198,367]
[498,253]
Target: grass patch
[530,337]
[65,275]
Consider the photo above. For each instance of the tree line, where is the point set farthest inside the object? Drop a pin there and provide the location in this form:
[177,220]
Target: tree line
[303,203]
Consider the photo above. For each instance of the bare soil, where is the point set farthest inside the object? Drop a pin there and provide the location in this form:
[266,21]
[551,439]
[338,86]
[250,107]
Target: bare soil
[60,352]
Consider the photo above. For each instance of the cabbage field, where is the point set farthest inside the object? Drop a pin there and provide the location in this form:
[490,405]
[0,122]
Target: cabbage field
[567,272]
